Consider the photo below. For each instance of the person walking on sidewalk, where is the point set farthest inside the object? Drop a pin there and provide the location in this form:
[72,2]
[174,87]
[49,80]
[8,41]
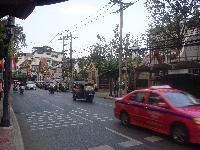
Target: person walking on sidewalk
[1,88]
[116,89]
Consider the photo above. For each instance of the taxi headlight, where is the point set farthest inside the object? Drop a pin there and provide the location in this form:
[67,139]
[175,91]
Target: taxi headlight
[197,120]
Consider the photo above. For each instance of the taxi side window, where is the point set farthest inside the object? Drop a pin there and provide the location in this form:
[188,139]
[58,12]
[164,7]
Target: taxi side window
[138,97]
[154,99]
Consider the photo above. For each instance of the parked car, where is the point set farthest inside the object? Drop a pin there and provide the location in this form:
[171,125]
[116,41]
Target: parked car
[30,85]
[162,109]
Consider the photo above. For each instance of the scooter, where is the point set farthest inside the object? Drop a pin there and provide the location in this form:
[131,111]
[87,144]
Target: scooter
[15,89]
[21,89]
[51,90]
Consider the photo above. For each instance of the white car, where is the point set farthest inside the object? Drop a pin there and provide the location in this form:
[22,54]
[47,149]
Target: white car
[30,85]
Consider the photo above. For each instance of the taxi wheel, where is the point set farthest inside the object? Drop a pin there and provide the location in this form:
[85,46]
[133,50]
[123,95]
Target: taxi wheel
[124,119]
[179,134]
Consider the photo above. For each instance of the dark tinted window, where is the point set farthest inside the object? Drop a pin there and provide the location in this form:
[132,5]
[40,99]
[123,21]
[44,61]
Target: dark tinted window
[154,99]
[138,97]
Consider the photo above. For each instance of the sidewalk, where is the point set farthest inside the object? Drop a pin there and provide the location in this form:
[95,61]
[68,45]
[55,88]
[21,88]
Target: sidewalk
[105,95]
[10,137]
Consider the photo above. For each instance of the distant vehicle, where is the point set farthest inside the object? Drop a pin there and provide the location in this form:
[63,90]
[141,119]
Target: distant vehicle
[15,89]
[15,84]
[21,89]
[162,109]
[30,85]
[83,90]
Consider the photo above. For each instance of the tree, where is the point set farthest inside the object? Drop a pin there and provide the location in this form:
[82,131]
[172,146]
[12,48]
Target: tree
[19,39]
[170,20]
[2,37]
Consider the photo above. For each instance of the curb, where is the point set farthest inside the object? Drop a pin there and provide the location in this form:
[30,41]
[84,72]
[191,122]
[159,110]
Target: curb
[17,133]
[111,98]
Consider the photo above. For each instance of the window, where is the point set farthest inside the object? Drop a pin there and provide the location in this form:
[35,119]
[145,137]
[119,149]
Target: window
[181,99]
[154,99]
[138,97]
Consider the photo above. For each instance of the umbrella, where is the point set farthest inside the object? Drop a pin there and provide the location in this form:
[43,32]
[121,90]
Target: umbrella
[22,8]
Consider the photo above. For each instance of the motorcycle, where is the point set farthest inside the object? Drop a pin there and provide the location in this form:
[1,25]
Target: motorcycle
[51,90]
[21,89]
[15,89]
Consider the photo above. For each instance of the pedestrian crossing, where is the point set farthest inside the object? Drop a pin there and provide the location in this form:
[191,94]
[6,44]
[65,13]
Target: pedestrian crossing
[128,144]
[47,119]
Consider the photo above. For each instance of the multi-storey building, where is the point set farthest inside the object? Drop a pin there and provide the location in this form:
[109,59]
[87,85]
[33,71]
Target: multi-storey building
[178,68]
[41,64]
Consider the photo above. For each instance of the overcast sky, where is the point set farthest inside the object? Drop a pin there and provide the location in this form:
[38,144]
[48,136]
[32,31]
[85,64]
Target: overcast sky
[84,19]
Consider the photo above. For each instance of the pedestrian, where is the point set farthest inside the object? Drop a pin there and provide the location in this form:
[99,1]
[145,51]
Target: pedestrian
[1,88]
[95,87]
[116,89]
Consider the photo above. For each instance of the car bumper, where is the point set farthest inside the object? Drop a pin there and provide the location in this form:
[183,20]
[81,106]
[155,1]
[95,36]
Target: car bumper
[30,88]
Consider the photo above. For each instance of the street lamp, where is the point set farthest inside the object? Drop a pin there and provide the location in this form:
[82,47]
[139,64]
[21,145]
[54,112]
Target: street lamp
[5,120]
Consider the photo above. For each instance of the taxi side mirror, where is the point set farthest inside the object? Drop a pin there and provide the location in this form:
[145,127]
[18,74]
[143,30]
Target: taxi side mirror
[163,105]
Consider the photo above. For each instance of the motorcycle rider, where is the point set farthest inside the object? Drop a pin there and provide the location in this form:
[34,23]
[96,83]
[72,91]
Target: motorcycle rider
[15,86]
[51,88]
[20,86]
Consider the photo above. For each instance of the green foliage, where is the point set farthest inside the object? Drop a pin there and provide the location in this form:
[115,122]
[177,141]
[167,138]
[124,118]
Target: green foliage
[19,39]
[14,75]
[110,67]
[170,18]
[2,37]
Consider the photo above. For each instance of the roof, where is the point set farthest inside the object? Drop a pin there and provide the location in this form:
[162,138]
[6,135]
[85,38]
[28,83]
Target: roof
[22,8]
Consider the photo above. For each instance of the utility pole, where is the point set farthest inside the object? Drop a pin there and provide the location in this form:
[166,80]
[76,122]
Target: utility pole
[71,61]
[63,52]
[120,50]
[68,37]
[122,7]
[71,68]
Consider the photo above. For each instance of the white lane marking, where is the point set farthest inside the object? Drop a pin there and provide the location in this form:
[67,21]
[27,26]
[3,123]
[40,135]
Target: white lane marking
[113,131]
[64,125]
[153,138]
[81,117]
[105,147]
[130,143]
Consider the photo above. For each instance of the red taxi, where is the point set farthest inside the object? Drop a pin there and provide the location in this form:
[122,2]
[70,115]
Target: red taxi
[162,109]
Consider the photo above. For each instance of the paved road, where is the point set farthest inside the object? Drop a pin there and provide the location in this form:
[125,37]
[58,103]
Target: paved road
[56,122]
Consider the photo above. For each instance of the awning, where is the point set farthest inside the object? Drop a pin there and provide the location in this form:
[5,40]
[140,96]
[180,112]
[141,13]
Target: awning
[187,65]
[162,66]
[142,68]
[22,8]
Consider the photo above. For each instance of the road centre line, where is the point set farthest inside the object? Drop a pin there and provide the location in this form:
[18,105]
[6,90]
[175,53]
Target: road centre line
[113,131]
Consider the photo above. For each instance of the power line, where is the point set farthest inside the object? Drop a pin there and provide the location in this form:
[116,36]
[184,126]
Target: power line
[86,19]
[105,10]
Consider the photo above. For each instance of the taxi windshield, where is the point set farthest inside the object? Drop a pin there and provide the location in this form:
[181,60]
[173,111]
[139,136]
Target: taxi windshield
[181,99]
